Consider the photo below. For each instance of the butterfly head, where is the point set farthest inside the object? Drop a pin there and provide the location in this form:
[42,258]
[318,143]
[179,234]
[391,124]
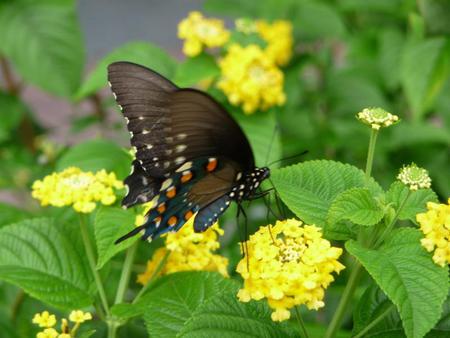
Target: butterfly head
[247,186]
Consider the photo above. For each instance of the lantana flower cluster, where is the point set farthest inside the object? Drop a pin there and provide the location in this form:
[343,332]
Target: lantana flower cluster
[200,32]
[377,118]
[435,225]
[48,322]
[77,188]
[187,250]
[250,74]
[289,264]
[414,177]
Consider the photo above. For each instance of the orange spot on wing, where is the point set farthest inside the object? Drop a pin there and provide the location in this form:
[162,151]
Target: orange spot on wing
[212,164]
[187,176]
[171,192]
[188,215]
[161,208]
[157,219]
[172,221]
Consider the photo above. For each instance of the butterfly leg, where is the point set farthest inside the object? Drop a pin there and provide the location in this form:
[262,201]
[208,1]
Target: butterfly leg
[245,247]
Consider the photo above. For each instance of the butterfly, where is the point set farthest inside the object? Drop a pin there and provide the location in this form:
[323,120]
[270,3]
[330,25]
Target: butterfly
[192,158]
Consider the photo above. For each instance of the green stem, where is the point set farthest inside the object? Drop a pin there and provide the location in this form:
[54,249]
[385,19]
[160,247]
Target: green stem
[345,300]
[155,273]
[126,272]
[301,323]
[371,151]
[388,229]
[91,260]
[375,322]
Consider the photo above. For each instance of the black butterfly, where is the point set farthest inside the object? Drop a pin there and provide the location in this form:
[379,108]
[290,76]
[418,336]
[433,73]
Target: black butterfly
[191,156]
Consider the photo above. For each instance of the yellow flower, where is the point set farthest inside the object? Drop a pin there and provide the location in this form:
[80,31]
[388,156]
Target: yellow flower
[414,177]
[77,188]
[278,36]
[78,316]
[377,118]
[48,333]
[251,79]
[188,250]
[64,335]
[140,218]
[44,319]
[289,264]
[435,225]
[199,32]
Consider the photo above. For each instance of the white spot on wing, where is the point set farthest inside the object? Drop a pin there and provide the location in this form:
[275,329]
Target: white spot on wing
[149,146]
[185,166]
[180,160]
[181,147]
[181,136]
[145,131]
[141,118]
[238,176]
[166,184]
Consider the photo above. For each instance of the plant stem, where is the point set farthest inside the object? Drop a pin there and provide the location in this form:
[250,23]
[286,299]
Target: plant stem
[10,83]
[155,273]
[375,322]
[300,322]
[345,300]
[91,259]
[392,223]
[371,151]
[126,272]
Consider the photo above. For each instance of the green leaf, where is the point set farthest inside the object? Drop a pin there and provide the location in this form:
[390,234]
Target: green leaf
[423,84]
[110,224]
[193,70]
[416,202]
[407,134]
[225,316]
[356,205]
[372,304]
[12,112]
[173,301]
[38,256]
[86,334]
[143,53]
[43,41]
[309,188]
[263,135]
[436,14]
[307,13]
[11,214]
[407,275]
[390,54]
[94,155]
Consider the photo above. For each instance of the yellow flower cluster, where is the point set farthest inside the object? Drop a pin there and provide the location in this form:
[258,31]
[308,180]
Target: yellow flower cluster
[251,79]
[188,250]
[289,264]
[199,32]
[414,177]
[278,36]
[77,188]
[47,320]
[140,217]
[377,118]
[435,224]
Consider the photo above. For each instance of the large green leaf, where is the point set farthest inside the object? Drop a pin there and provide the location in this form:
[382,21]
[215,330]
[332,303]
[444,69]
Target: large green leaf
[110,224]
[225,316]
[94,155]
[390,53]
[12,112]
[436,14]
[43,40]
[356,205]
[193,70]
[309,188]
[170,304]
[39,256]
[407,275]
[415,203]
[143,53]
[423,84]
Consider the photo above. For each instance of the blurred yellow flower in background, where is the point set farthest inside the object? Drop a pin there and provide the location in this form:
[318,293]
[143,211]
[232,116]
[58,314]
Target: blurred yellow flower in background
[78,316]
[200,32]
[48,333]
[251,79]
[279,38]
[188,250]
[435,225]
[75,187]
[289,264]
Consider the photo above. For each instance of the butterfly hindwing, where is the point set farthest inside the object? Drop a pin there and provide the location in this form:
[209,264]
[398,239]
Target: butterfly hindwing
[209,214]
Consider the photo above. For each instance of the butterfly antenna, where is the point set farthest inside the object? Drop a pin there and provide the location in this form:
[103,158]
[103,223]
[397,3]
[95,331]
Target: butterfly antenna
[288,158]
[272,138]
